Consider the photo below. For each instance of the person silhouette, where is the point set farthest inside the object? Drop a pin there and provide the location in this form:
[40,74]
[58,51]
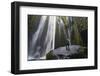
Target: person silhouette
[67,45]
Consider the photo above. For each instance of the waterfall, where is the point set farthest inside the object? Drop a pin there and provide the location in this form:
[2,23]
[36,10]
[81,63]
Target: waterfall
[66,31]
[39,49]
[62,27]
[50,37]
[39,31]
[35,37]
[69,19]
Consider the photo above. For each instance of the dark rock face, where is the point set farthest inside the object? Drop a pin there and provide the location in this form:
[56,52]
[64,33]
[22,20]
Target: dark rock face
[84,36]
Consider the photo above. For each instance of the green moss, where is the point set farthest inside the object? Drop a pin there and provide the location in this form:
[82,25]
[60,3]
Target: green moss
[50,56]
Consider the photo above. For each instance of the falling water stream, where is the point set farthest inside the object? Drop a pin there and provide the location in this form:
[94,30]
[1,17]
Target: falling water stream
[35,37]
[38,51]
